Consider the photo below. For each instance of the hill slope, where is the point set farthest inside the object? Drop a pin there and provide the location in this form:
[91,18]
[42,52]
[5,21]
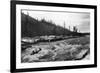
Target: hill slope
[31,27]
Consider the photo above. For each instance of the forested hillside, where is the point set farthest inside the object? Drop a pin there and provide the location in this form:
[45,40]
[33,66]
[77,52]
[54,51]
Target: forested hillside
[31,27]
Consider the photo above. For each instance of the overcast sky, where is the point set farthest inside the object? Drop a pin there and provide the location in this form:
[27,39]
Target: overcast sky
[81,20]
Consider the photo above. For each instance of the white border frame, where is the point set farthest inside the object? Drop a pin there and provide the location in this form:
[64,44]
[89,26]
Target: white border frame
[20,65]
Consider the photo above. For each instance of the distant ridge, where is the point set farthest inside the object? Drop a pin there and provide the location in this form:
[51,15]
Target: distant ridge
[31,27]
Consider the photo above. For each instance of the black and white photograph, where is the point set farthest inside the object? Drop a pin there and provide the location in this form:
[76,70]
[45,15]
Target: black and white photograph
[50,36]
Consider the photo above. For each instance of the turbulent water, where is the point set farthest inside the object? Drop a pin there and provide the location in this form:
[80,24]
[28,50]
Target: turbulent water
[62,50]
